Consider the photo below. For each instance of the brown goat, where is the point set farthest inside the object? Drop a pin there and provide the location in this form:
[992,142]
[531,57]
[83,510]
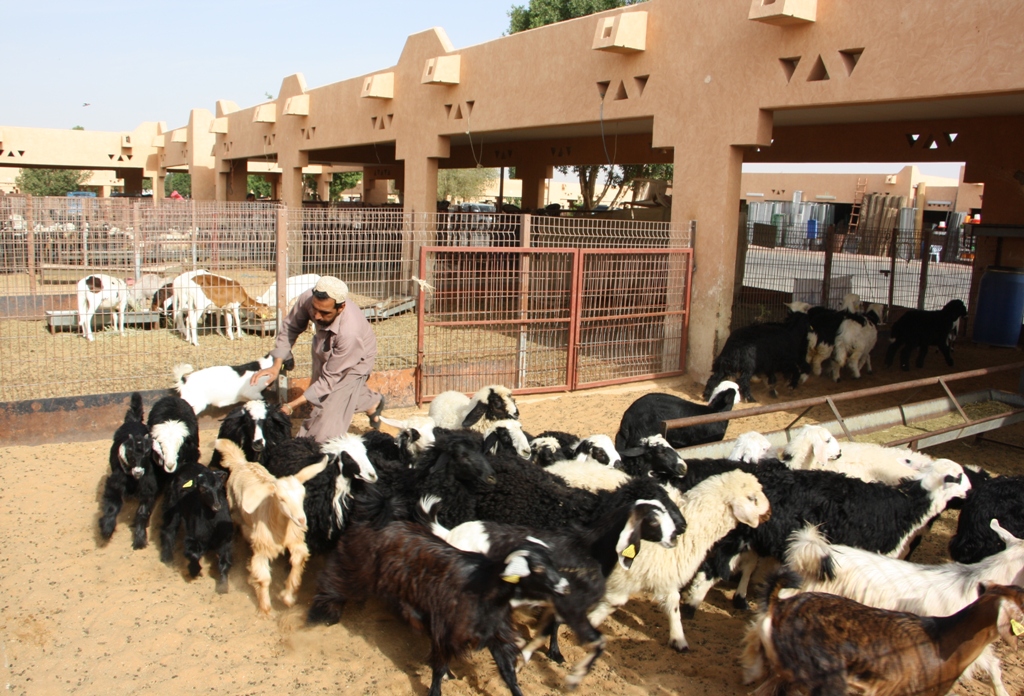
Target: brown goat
[824,644]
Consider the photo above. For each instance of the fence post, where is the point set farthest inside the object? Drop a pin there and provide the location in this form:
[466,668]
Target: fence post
[524,302]
[136,241]
[893,250]
[281,267]
[826,280]
[30,243]
[926,248]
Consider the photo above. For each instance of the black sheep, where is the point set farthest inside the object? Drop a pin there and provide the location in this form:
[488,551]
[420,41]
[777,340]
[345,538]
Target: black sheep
[196,500]
[644,417]
[460,599]
[131,474]
[920,329]
[1000,498]
[763,349]
[255,426]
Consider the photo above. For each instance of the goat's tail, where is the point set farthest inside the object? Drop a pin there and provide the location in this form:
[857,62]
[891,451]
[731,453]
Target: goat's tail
[135,408]
[426,512]
[179,372]
[231,454]
[782,579]
[810,555]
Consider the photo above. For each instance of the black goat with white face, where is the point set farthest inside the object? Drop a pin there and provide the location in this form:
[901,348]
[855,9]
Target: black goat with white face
[131,474]
[256,427]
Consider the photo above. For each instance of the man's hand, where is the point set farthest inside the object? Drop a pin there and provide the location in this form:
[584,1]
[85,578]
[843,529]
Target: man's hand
[272,372]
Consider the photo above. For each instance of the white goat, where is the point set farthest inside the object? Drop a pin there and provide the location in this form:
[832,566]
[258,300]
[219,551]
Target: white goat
[814,447]
[270,514]
[855,341]
[294,286]
[711,509]
[750,447]
[221,385]
[453,409]
[99,291]
[188,303]
[888,583]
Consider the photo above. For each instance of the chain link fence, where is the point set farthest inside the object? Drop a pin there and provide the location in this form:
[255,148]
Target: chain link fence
[47,245]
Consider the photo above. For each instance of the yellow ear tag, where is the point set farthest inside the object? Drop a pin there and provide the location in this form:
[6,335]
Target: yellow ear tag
[515,579]
[629,551]
[187,484]
[1016,626]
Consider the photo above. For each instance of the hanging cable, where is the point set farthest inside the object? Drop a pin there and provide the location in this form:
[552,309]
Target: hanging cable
[471,148]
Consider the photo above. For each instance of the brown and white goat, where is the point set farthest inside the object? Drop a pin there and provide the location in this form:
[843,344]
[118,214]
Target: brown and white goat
[203,292]
[270,513]
[825,644]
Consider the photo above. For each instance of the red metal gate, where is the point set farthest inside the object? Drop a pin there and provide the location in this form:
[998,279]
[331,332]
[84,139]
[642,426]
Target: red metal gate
[549,319]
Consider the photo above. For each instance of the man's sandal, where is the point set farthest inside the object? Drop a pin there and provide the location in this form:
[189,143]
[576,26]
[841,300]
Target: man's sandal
[375,414]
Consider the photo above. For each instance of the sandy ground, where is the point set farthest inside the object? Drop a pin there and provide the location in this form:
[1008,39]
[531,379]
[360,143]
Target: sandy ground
[80,616]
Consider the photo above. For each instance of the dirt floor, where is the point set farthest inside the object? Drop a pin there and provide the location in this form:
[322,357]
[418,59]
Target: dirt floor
[80,616]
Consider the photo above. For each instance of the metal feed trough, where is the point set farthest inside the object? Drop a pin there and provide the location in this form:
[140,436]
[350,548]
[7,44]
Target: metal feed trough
[67,320]
[390,307]
[854,428]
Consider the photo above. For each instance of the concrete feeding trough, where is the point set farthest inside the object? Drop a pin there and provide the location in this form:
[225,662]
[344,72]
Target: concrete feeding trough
[67,320]
[251,323]
[918,425]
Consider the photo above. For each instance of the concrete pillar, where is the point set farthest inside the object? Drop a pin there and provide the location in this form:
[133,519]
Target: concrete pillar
[158,184]
[288,186]
[706,190]
[233,183]
[375,191]
[323,186]
[534,178]
[132,181]
[419,194]
[1003,203]
[203,183]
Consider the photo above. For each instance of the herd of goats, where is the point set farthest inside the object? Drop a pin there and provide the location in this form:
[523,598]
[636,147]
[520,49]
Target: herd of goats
[462,518]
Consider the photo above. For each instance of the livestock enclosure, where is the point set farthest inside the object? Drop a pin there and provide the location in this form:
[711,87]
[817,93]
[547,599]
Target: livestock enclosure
[456,299]
[897,267]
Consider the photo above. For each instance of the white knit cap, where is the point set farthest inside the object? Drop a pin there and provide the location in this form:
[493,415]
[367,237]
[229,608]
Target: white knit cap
[335,289]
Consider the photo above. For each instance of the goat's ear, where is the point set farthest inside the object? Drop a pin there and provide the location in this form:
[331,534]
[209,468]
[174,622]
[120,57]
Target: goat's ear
[253,496]
[491,443]
[628,545]
[476,414]
[632,452]
[1006,537]
[312,470]
[220,477]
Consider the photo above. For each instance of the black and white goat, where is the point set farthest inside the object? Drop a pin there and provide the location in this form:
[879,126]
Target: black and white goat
[856,339]
[553,446]
[329,492]
[645,416]
[196,500]
[453,409]
[763,349]
[256,427]
[223,385]
[99,291]
[175,431]
[131,474]
[462,600]
[920,329]
[825,327]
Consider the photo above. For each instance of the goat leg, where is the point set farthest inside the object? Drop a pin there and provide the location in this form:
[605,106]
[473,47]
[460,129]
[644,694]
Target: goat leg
[298,553]
[582,668]
[504,655]
[670,604]
[112,501]
[193,552]
[169,534]
[141,522]
[946,353]
[259,578]
[224,565]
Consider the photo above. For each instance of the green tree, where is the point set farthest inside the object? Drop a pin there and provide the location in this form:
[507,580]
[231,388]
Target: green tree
[78,128]
[463,183]
[343,181]
[180,182]
[595,180]
[51,182]
[258,185]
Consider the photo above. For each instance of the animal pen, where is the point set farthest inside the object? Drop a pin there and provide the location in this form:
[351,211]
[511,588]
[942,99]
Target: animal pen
[457,300]
[889,262]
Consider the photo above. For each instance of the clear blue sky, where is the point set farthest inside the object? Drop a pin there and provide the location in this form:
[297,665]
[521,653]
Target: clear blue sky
[144,61]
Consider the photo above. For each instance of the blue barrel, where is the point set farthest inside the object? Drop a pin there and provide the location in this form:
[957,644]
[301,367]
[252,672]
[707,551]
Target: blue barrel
[1000,306]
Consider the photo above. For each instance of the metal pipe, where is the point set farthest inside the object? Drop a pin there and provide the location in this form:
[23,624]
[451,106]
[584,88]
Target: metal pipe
[844,396]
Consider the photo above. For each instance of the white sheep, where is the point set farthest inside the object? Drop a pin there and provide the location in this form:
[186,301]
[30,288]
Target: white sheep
[888,583]
[294,286]
[270,513]
[588,475]
[711,509]
[814,447]
[454,410]
[99,291]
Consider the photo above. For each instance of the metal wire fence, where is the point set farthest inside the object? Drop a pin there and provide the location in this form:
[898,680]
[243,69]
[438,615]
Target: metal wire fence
[47,245]
[898,268]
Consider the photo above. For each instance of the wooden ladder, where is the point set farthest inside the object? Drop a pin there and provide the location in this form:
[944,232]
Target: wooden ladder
[858,198]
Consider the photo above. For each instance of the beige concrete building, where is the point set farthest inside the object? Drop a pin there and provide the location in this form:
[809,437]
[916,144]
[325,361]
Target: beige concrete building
[101,182]
[705,86]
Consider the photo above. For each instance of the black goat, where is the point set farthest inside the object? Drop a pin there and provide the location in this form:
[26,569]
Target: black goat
[1000,498]
[327,493]
[131,474]
[175,431]
[652,457]
[645,416]
[763,349]
[256,427]
[460,599]
[196,500]
[920,329]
